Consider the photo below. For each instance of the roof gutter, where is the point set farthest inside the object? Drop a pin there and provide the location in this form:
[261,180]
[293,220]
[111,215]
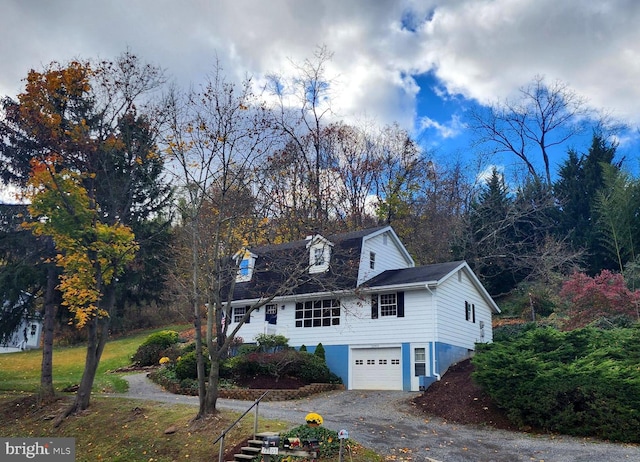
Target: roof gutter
[291,297]
[409,286]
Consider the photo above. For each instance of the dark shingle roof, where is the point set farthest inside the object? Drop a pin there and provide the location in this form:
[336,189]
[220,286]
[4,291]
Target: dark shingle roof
[418,274]
[275,263]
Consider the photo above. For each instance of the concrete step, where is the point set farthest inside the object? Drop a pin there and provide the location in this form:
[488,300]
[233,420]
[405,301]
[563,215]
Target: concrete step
[250,450]
[243,457]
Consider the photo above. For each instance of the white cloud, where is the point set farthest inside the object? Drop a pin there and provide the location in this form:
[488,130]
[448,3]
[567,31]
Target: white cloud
[450,129]
[487,49]
[482,49]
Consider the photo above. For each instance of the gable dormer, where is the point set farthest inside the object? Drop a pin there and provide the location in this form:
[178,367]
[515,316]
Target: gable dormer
[382,250]
[319,253]
[246,261]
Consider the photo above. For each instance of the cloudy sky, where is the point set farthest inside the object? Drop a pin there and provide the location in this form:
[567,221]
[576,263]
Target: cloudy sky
[415,62]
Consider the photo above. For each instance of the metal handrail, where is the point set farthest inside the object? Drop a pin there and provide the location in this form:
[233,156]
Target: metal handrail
[255,425]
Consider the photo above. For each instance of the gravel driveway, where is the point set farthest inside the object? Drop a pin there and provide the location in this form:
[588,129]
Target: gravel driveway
[386,422]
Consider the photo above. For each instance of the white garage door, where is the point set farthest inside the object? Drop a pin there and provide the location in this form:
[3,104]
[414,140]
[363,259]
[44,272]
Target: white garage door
[376,369]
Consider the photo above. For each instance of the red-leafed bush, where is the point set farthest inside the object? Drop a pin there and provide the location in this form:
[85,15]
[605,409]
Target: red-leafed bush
[592,299]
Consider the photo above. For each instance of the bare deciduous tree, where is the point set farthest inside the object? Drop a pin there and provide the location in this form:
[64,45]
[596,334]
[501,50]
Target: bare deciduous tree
[217,143]
[542,118]
[300,115]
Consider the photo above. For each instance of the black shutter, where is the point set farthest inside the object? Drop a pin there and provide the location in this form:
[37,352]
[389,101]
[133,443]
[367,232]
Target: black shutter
[400,299]
[473,312]
[466,310]
[247,308]
[374,306]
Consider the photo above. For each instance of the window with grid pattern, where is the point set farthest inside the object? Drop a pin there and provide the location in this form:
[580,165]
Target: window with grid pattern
[238,313]
[420,357]
[388,305]
[318,313]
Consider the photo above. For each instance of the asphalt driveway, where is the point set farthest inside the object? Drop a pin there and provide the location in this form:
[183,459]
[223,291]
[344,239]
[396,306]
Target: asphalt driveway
[387,422]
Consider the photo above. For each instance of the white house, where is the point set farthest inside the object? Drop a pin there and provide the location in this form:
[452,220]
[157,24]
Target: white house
[384,323]
[28,330]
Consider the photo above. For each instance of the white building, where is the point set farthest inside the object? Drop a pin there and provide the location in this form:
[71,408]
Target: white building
[384,323]
[28,332]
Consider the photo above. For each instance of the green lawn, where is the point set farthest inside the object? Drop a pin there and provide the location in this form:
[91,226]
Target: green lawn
[21,371]
[136,429]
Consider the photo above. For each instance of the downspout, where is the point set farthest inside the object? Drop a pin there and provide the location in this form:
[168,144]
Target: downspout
[434,301]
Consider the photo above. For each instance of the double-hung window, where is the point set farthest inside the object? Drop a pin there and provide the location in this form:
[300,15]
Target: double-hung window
[271,313]
[239,312]
[420,361]
[318,256]
[470,312]
[389,304]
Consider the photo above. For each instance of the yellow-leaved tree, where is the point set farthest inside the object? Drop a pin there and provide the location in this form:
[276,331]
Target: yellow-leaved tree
[80,139]
[91,254]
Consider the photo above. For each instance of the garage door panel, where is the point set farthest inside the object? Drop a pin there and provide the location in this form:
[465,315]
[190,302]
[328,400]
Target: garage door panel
[376,369]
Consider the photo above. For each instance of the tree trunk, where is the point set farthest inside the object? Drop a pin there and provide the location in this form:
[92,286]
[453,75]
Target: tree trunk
[212,386]
[83,395]
[202,390]
[97,336]
[46,371]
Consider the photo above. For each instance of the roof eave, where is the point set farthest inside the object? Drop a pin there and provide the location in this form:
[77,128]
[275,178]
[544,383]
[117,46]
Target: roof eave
[292,297]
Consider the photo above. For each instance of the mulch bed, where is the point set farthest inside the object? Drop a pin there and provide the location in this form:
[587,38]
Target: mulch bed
[456,398]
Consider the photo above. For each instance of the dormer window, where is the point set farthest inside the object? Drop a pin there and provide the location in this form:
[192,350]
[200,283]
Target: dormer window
[318,257]
[246,262]
[319,253]
[243,270]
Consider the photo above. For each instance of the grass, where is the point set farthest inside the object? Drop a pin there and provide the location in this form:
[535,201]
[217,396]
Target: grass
[21,371]
[116,429]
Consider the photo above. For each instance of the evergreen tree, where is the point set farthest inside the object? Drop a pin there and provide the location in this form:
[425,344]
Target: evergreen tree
[76,139]
[617,206]
[490,234]
[21,276]
[509,237]
[580,178]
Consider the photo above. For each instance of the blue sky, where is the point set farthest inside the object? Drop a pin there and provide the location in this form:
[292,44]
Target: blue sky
[420,63]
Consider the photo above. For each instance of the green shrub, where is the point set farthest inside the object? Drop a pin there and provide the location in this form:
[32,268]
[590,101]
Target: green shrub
[311,369]
[228,367]
[189,386]
[270,343]
[289,363]
[249,365]
[303,348]
[585,382]
[319,352]
[247,349]
[187,366]
[154,348]
[163,338]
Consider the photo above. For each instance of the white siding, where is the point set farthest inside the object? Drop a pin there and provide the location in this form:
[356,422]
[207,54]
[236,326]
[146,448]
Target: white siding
[453,328]
[419,323]
[356,326]
[26,337]
[431,316]
[389,255]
